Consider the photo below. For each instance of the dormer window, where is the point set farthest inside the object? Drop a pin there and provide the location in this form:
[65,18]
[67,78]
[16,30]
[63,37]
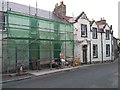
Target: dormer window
[94,33]
[83,30]
[107,35]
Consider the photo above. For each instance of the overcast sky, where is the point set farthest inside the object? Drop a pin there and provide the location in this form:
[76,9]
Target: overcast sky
[94,9]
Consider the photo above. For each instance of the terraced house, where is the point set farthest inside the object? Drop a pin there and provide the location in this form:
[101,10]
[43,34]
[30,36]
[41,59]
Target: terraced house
[34,37]
[93,39]
[31,35]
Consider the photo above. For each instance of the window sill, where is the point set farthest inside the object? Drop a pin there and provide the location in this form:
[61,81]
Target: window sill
[95,57]
[108,56]
[84,36]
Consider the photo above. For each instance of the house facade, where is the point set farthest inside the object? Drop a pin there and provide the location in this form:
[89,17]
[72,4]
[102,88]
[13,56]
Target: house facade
[34,36]
[107,43]
[82,38]
[96,47]
[93,40]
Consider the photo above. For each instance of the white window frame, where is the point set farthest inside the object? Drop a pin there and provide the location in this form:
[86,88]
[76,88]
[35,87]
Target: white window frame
[95,52]
[83,30]
[107,35]
[94,33]
[107,50]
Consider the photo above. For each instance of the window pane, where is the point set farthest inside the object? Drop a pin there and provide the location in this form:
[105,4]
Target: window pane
[95,50]
[107,50]
[107,34]
[94,33]
[83,30]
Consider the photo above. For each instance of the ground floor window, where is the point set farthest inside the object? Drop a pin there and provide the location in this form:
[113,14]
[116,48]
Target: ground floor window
[107,50]
[95,51]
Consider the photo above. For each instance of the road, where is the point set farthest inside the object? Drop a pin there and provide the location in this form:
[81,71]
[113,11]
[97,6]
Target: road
[93,76]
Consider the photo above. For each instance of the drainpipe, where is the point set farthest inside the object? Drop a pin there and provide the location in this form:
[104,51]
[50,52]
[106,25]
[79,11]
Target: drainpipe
[90,44]
[102,47]
[90,52]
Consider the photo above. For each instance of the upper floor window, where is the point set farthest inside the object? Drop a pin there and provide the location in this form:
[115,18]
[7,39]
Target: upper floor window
[95,51]
[83,30]
[107,35]
[94,33]
[107,50]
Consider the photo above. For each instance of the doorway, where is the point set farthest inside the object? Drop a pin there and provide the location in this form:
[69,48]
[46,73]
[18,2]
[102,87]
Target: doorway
[84,49]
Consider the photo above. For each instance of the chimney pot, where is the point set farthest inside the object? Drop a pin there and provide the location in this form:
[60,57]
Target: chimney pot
[61,2]
[56,5]
[60,10]
[103,18]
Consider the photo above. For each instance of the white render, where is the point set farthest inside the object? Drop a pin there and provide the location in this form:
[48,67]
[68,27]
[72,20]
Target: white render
[98,42]
[106,42]
[89,41]
[80,41]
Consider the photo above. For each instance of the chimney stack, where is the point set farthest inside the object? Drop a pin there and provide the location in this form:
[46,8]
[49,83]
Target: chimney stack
[60,10]
[110,26]
[102,21]
[61,2]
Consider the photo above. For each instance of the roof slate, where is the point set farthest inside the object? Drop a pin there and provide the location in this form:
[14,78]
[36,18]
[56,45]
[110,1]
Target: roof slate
[32,11]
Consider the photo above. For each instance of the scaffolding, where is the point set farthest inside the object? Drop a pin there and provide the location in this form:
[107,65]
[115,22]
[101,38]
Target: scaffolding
[32,38]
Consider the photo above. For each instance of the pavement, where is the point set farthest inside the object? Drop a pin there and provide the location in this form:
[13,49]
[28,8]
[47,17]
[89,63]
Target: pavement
[35,73]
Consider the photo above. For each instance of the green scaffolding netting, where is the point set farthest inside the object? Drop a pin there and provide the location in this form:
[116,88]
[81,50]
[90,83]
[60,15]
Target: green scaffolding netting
[34,38]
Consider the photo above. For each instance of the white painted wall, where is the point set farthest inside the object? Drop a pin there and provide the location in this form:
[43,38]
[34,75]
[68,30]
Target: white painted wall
[83,21]
[78,47]
[98,42]
[104,45]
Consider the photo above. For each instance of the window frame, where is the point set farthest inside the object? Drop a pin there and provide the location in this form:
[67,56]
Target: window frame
[94,32]
[95,51]
[84,30]
[107,50]
[107,33]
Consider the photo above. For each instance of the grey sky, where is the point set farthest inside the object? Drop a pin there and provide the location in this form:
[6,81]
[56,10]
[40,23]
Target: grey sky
[94,9]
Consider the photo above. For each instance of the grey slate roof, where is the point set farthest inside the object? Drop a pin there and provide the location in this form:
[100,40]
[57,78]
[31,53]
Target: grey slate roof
[25,9]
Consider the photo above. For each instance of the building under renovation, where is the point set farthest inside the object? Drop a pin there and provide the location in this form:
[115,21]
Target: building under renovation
[30,35]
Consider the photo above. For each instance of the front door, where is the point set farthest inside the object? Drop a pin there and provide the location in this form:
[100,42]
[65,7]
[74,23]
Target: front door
[84,48]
